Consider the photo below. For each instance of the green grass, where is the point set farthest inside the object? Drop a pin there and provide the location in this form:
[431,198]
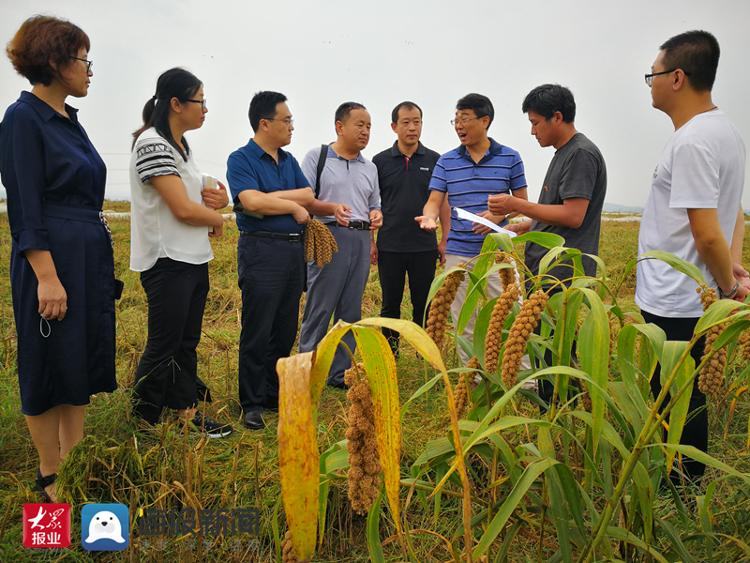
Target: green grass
[163,467]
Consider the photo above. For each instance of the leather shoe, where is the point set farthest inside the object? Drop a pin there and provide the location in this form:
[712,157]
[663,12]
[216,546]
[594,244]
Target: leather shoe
[254,420]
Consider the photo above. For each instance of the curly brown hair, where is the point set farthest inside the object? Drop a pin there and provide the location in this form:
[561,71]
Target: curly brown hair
[42,40]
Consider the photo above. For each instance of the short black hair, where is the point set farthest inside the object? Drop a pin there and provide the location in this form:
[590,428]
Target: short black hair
[406,105]
[263,106]
[697,54]
[549,98]
[343,111]
[480,104]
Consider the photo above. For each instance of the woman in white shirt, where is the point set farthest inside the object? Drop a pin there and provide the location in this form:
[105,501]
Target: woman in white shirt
[172,217]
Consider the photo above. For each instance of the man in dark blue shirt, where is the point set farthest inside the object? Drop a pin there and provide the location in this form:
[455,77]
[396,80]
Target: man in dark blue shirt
[271,195]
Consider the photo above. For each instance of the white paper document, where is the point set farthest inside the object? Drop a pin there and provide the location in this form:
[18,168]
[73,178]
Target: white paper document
[469,216]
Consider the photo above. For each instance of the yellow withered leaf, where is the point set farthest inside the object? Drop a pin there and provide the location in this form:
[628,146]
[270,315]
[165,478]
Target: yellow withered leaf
[299,459]
[414,334]
[417,337]
[322,360]
[380,366]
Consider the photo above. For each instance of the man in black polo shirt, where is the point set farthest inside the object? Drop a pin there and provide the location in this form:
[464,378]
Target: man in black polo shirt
[402,248]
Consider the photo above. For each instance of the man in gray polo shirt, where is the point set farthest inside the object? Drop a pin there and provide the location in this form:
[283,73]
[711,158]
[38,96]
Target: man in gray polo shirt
[351,181]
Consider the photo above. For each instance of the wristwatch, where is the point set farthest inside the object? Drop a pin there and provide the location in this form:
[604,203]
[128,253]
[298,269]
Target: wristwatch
[731,293]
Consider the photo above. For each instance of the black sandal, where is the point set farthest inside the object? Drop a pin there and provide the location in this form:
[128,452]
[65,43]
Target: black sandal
[44,482]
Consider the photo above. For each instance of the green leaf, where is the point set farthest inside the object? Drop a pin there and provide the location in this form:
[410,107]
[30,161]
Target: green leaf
[565,332]
[675,540]
[572,493]
[671,354]
[332,460]
[552,258]
[322,508]
[498,240]
[622,535]
[601,267]
[719,312]
[703,503]
[438,281]
[498,407]
[607,432]
[424,388]
[374,543]
[682,266]
[558,510]
[547,240]
[474,292]
[631,405]
[593,355]
[496,525]
[702,457]
[731,333]
[434,449]
[655,336]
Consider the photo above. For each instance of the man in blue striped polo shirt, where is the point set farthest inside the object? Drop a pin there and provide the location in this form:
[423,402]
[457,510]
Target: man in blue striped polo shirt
[468,175]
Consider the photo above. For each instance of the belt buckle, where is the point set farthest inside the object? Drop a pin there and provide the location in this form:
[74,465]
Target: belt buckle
[294,237]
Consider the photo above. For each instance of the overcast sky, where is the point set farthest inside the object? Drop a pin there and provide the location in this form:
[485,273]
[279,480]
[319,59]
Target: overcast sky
[382,52]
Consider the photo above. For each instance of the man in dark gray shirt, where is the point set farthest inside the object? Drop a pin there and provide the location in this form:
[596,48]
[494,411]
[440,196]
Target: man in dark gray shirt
[571,200]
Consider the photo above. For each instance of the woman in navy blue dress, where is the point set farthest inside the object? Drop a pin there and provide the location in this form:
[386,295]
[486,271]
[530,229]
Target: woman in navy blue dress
[62,270]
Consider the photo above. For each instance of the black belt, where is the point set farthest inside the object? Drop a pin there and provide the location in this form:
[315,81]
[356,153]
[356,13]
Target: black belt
[291,237]
[355,225]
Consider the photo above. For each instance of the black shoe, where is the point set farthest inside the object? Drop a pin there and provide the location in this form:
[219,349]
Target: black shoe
[337,384]
[211,427]
[44,482]
[254,420]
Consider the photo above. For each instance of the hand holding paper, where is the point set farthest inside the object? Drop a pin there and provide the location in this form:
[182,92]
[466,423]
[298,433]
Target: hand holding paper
[468,216]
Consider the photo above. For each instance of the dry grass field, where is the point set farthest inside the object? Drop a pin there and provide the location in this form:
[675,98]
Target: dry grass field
[163,467]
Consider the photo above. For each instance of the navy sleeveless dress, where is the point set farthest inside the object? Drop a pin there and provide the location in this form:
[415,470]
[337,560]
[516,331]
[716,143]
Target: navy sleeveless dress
[54,179]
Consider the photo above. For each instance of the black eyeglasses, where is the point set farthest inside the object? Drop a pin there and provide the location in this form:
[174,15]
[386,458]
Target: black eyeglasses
[201,102]
[89,64]
[649,78]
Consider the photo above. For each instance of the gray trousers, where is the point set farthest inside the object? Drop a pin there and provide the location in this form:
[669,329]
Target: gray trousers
[336,291]
[494,288]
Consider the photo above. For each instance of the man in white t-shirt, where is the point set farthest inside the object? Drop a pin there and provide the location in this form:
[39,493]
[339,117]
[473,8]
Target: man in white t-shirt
[694,208]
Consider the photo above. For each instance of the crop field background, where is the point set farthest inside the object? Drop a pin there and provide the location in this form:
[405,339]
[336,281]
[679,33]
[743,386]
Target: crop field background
[119,461]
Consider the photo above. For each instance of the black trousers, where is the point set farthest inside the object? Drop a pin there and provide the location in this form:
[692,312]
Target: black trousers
[393,267]
[271,276]
[167,374]
[695,432]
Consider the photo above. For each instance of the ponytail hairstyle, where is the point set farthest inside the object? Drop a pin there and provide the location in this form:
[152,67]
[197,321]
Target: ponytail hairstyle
[174,83]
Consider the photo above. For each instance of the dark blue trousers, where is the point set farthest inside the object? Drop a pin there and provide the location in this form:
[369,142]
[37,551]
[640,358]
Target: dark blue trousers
[271,276]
